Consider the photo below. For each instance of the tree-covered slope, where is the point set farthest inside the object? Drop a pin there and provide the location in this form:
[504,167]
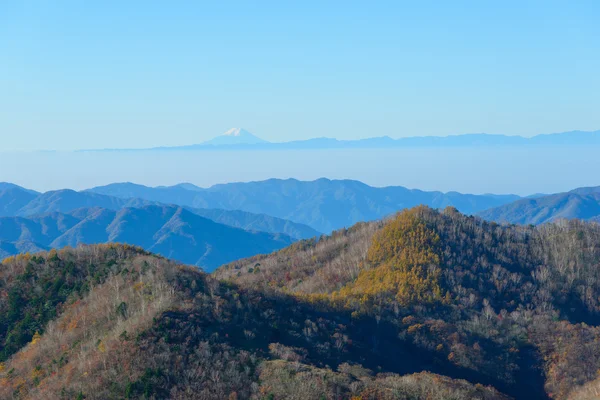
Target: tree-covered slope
[516,304]
[425,305]
[112,321]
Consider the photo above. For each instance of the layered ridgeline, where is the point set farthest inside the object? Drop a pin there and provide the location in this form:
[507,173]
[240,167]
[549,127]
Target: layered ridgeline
[171,231]
[13,198]
[31,221]
[581,203]
[323,204]
[16,201]
[511,306]
[291,206]
[112,321]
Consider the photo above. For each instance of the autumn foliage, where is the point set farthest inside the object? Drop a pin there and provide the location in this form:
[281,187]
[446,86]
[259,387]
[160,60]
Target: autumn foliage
[404,264]
[517,304]
[424,305]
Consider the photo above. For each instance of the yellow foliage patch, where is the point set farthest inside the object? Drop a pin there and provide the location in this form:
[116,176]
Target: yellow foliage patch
[405,264]
[36,337]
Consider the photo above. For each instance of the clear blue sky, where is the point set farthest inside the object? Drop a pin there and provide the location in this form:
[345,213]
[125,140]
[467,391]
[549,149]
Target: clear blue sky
[83,74]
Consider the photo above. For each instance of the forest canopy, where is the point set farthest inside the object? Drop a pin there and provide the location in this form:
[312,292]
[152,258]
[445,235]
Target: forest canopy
[426,304]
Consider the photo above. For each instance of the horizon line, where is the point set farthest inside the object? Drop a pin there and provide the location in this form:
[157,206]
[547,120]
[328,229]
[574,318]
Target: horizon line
[250,146]
[265,143]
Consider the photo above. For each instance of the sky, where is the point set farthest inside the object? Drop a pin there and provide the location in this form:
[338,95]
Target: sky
[81,75]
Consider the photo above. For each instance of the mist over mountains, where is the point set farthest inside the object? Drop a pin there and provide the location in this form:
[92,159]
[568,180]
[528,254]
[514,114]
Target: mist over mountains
[241,139]
[308,200]
[463,168]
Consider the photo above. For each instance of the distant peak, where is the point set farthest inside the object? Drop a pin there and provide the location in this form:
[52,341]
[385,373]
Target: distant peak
[237,132]
[235,136]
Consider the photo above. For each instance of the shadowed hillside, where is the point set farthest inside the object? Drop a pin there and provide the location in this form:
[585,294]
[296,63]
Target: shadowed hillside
[112,321]
[517,305]
[424,305]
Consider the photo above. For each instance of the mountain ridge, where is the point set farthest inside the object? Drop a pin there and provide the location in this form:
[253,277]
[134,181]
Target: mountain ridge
[115,321]
[580,203]
[567,138]
[172,231]
[425,270]
[323,204]
[17,201]
[427,304]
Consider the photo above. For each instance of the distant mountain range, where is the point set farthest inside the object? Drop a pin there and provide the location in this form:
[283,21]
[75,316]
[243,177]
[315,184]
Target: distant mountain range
[582,203]
[13,199]
[66,200]
[16,201]
[171,231]
[323,204]
[217,224]
[241,139]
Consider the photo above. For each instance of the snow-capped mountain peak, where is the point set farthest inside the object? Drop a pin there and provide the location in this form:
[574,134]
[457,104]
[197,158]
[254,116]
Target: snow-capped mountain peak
[235,136]
[237,132]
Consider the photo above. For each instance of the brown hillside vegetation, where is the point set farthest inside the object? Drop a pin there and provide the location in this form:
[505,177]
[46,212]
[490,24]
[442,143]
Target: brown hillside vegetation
[364,314]
[294,380]
[515,305]
[114,322]
[307,266]
[590,391]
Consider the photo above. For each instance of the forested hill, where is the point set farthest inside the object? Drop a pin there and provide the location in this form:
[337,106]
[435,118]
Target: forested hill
[112,321]
[515,306]
[363,313]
